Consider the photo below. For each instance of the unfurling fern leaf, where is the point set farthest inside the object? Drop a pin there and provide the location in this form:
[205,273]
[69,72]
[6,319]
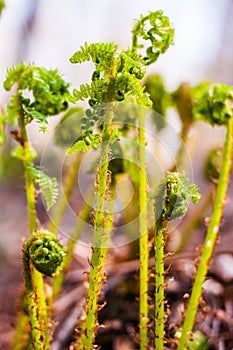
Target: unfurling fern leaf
[48,186]
[156,29]
[97,52]
[49,94]
[85,143]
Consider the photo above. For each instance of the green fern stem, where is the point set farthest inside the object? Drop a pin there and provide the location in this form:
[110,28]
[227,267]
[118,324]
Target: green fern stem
[32,301]
[210,241]
[42,253]
[159,285]
[29,183]
[143,241]
[35,297]
[101,234]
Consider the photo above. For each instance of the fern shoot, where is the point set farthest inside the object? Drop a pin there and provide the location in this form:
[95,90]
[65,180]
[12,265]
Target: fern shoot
[49,97]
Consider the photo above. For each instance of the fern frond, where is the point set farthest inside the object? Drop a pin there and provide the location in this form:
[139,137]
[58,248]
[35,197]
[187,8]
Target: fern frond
[85,143]
[96,91]
[49,90]
[48,186]
[96,51]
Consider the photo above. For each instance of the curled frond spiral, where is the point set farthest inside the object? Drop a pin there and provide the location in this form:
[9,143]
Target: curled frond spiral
[156,29]
[45,252]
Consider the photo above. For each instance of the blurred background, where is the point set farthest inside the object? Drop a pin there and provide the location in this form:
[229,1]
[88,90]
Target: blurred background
[47,33]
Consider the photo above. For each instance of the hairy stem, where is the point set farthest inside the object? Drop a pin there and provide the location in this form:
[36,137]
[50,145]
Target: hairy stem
[211,237]
[101,234]
[143,241]
[38,328]
[159,285]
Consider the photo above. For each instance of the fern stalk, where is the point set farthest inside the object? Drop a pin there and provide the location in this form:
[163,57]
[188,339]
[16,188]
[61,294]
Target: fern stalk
[210,241]
[159,285]
[101,234]
[143,241]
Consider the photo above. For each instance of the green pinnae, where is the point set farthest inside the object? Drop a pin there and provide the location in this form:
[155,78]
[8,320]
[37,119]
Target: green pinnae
[46,253]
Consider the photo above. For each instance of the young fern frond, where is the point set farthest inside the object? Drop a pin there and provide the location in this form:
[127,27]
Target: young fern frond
[156,29]
[99,53]
[44,251]
[171,200]
[160,35]
[49,90]
[48,186]
[213,105]
[42,254]
[39,94]
[117,76]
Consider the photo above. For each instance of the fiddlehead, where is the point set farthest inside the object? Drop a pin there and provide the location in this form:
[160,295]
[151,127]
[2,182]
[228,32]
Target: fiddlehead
[45,252]
[42,254]
[156,29]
